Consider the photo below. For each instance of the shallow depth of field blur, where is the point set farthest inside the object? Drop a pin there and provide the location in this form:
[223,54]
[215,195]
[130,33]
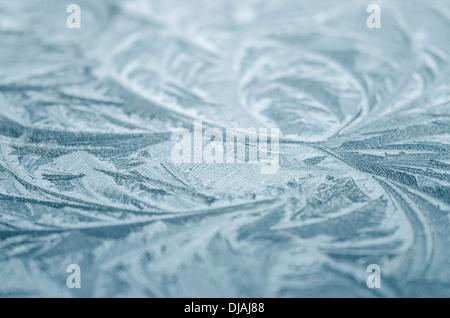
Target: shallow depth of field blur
[86,175]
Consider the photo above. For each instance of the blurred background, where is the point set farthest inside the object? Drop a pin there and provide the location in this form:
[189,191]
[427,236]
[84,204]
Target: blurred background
[86,176]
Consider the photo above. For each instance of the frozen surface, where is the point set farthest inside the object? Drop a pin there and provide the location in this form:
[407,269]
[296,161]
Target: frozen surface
[86,175]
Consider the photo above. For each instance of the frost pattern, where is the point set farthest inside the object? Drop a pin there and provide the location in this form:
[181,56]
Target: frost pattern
[86,175]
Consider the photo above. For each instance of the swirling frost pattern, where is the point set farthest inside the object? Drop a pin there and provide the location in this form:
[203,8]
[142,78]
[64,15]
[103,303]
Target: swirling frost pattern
[86,176]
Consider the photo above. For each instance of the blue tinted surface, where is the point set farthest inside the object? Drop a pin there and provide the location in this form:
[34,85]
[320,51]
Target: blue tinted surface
[86,175]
